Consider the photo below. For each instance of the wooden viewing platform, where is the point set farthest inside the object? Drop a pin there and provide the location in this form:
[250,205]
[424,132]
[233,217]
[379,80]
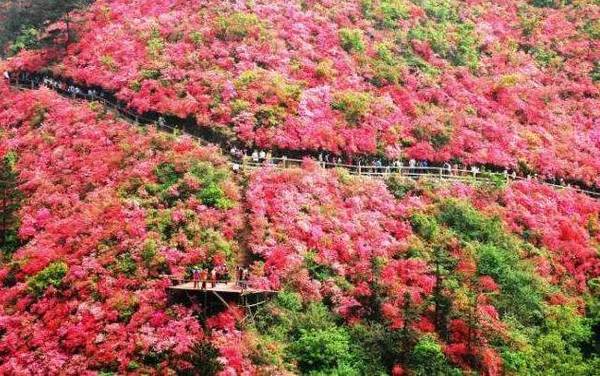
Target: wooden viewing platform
[225,292]
[220,287]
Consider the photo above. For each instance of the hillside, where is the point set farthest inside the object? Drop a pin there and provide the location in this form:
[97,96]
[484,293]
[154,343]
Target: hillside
[400,275]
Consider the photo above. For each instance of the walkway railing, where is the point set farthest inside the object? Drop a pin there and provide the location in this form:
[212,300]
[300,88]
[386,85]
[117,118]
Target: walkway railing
[374,171]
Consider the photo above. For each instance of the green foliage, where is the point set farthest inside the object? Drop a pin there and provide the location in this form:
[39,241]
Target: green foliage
[426,226]
[109,63]
[312,339]
[212,195]
[549,3]
[126,264]
[521,295]
[28,39]
[289,300]
[399,186]
[133,365]
[52,275]
[269,116]
[556,348]
[546,58]
[353,104]
[385,13]
[467,50]
[167,175]
[386,66]
[10,202]
[441,10]
[595,73]
[318,350]
[155,44]
[352,40]
[150,74]
[317,271]
[237,26]
[468,224]
[196,38]
[592,28]
[428,359]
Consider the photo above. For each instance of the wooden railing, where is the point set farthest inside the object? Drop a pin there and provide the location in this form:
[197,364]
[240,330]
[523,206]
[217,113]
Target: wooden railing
[246,163]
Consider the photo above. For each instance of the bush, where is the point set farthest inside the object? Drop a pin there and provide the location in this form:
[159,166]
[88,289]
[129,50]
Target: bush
[467,48]
[427,359]
[399,186]
[155,45]
[592,28]
[468,224]
[167,175]
[386,13]
[28,39]
[435,34]
[321,349]
[441,10]
[212,195]
[424,225]
[52,275]
[353,104]
[289,300]
[352,40]
[237,26]
[126,264]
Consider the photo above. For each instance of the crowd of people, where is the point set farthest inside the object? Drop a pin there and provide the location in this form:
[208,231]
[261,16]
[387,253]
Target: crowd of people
[240,156]
[201,277]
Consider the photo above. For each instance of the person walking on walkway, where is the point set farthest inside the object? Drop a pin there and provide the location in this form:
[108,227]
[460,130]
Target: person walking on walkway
[203,278]
[448,168]
[195,277]
[161,122]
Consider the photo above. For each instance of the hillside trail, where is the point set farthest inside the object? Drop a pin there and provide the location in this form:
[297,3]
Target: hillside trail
[246,165]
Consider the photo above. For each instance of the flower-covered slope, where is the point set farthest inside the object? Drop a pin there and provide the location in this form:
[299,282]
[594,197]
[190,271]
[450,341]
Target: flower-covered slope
[509,83]
[104,210]
[488,277]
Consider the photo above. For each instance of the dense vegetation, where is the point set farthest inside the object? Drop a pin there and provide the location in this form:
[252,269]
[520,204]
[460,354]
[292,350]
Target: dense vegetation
[489,288]
[395,277]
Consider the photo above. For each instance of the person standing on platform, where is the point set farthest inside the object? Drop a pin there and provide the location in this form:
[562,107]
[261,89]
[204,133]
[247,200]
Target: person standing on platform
[203,278]
[195,277]
[213,277]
